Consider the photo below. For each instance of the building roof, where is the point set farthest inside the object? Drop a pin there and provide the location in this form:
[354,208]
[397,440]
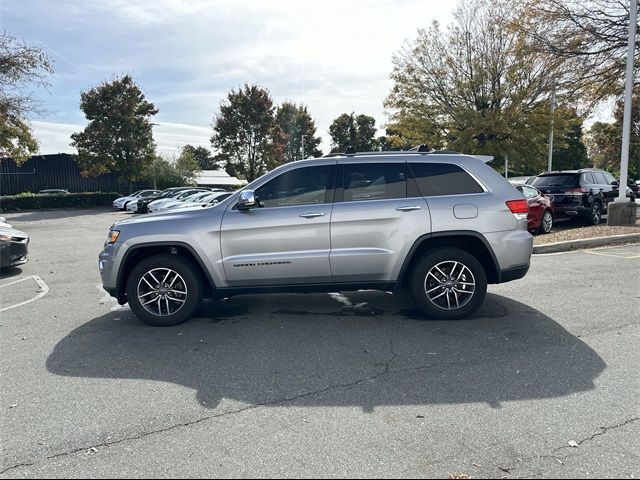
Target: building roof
[217,177]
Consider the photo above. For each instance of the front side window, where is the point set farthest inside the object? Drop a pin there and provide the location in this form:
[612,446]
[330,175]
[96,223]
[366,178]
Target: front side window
[302,186]
[436,179]
[374,181]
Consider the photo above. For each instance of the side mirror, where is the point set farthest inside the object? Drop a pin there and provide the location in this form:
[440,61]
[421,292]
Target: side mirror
[615,184]
[247,200]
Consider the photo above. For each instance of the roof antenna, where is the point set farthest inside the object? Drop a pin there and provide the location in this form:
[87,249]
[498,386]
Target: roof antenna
[349,150]
[420,148]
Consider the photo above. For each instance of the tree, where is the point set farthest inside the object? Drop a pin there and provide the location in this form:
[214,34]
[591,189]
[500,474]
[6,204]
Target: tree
[357,132]
[588,37]
[570,152]
[161,173]
[295,122]
[21,65]
[604,140]
[473,88]
[119,135]
[202,156]
[245,133]
[187,164]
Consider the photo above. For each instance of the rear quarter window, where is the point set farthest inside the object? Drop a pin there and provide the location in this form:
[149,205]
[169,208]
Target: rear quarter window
[437,179]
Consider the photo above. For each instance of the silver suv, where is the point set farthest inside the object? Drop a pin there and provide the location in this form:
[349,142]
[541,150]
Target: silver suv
[441,225]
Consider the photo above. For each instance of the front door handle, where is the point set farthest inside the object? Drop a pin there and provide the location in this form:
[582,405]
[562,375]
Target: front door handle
[408,208]
[312,214]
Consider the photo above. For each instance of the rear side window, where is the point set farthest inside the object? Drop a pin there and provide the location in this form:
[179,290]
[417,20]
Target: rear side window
[588,178]
[600,180]
[529,192]
[374,181]
[559,180]
[443,179]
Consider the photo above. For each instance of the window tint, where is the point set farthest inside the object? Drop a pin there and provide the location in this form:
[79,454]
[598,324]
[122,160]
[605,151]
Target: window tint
[374,181]
[302,186]
[557,180]
[443,179]
[600,180]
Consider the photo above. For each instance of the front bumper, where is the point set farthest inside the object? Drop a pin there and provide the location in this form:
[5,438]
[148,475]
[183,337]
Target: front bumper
[13,254]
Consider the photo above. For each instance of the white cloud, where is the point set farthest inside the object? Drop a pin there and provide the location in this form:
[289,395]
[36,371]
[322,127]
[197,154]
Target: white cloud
[169,137]
[334,56]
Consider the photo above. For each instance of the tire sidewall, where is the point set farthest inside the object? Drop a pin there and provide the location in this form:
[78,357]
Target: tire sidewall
[542,230]
[591,220]
[427,262]
[188,272]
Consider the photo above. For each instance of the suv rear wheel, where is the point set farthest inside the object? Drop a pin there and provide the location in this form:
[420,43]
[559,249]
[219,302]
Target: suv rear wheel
[164,290]
[596,213]
[449,284]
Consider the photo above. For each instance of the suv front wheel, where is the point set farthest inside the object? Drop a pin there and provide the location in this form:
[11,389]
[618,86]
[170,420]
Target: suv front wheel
[449,284]
[164,290]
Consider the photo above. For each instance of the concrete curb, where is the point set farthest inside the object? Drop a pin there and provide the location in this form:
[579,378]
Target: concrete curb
[586,243]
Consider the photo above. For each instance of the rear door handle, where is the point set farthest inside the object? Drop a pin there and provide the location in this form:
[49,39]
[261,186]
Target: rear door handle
[408,208]
[312,214]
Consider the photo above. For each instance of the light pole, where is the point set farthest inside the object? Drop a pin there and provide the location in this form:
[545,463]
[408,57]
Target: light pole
[302,148]
[553,108]
[626,123]
[621,211]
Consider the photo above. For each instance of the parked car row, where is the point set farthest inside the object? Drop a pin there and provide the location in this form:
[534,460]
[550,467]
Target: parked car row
[584,194]
[154,201]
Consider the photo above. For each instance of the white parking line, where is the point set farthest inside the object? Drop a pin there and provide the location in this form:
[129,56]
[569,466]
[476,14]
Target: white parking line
[39,281]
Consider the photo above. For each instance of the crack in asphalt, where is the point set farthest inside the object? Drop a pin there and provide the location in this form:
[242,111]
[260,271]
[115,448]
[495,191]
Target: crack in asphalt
[602,431]
[139,436]
[559,458]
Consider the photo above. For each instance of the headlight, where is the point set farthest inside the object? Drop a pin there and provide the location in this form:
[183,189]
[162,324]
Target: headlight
[113,236]
[5,238]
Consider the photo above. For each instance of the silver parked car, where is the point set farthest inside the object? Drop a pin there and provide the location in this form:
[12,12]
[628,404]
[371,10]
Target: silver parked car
[441,225]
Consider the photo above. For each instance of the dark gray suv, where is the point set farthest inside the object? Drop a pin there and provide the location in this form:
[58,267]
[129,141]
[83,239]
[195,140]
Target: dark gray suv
[441,225]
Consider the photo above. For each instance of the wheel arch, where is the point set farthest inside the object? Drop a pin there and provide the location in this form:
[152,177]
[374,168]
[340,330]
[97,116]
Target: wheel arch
[139,252]
[472,242]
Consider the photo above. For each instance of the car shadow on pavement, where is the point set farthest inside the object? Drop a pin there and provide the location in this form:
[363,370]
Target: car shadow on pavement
[10,272]
[362,350]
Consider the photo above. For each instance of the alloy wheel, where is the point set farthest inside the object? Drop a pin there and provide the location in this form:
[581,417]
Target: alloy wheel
[162,292]
[450,285]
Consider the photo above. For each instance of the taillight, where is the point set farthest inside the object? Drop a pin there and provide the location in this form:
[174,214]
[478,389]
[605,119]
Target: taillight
[578,191]
[518,206]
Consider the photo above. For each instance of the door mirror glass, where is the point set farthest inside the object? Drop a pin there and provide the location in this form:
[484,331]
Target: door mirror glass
[247,200]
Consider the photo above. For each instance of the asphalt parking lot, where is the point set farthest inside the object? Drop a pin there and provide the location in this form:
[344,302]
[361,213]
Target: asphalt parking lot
[317,385]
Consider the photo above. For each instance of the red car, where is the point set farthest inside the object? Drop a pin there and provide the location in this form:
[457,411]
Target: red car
[540,209]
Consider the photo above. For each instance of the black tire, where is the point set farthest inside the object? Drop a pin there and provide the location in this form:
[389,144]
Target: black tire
[595,216]
[184,304]
[422,281]
[546,226]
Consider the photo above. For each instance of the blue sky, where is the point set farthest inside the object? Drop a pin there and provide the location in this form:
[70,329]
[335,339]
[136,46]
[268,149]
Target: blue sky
[333,56]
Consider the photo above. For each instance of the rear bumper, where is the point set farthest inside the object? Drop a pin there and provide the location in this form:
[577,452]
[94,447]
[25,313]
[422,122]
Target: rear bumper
[514,273]
[571,211]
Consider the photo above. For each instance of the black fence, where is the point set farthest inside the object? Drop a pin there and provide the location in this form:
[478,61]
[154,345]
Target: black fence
[55,171]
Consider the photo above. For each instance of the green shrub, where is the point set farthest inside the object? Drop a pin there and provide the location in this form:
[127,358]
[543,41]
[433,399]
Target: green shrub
[32,201]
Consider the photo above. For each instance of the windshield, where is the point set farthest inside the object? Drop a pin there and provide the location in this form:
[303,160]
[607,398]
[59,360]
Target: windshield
[560,180]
